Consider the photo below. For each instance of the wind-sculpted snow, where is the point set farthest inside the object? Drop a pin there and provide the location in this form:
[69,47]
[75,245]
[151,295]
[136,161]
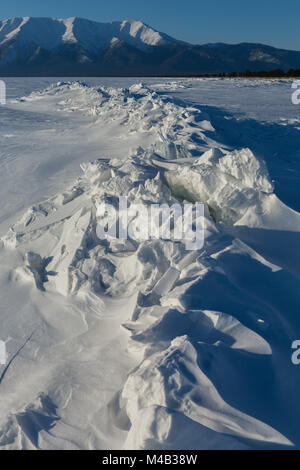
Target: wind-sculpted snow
[142,344]
[139,109]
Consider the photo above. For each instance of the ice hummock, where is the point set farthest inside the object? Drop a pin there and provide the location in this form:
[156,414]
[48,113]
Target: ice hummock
[125,344]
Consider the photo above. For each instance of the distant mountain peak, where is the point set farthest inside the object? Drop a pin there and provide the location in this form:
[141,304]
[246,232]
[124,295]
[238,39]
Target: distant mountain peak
[79,47]
[49,33]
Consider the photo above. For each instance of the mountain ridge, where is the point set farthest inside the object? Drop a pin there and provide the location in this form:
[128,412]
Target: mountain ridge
[78,46]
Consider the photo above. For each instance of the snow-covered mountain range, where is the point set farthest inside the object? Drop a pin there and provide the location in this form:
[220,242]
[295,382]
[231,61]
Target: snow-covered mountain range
[50,33]
[77,46]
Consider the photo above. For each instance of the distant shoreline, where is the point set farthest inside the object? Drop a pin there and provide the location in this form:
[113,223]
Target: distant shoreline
[272,75]
[150,76]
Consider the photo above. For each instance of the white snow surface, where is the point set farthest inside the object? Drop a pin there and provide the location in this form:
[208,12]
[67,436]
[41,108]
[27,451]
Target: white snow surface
[128,344]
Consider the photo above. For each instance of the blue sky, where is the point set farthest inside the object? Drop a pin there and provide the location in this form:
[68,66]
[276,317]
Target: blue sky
[271,22]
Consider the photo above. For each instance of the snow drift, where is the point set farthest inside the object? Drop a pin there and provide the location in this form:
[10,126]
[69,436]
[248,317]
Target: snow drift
[142,344]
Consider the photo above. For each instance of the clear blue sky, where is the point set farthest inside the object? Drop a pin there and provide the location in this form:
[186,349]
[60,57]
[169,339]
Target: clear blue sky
[271,22]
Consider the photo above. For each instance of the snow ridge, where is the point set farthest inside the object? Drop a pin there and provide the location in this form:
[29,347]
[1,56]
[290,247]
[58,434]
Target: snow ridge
[182,325]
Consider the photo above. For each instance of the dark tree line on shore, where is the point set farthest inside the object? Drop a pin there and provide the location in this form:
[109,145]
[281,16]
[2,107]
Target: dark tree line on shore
[271,74]
[278,73]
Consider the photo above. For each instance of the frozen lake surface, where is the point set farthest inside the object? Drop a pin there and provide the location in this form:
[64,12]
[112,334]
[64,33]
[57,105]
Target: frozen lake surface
[141,344]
